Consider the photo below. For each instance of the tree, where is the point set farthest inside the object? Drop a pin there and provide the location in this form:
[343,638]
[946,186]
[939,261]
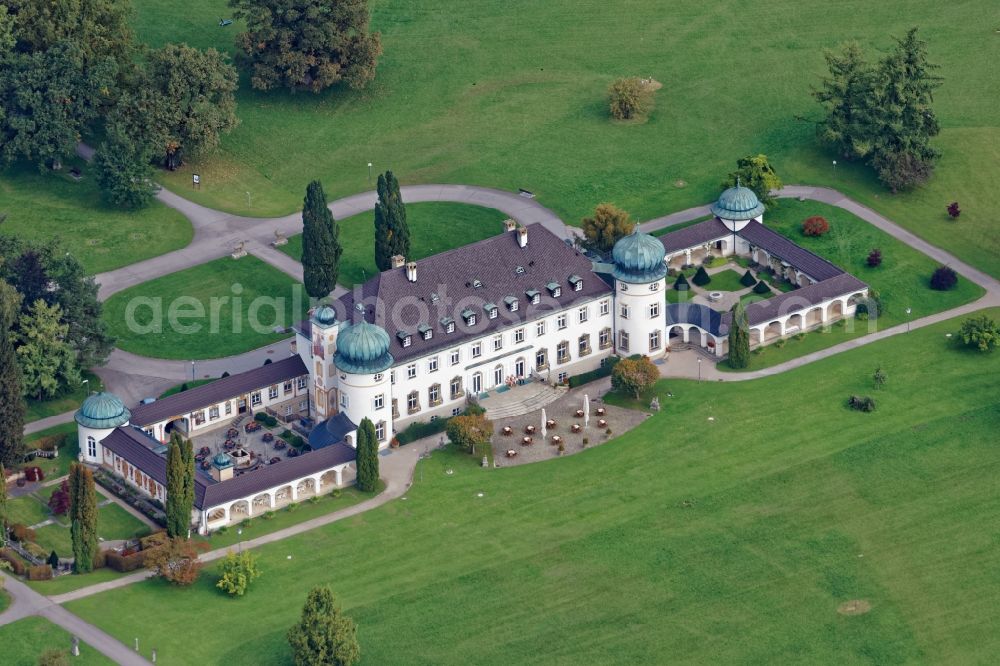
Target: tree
[845,94]
[367,456]
[324,636]
[238,571]
[307,45]
[701,277]
[632,376]
[815,226]
[176,561]
[681,283]
[980,333]
[953,210]
[879,378]
[469,431]
[874,259]
[607,226]
[180,485]
[3,504]
[54,657]
[739,338]
[83,517]
[59,501]
[944,278]
[761,288]
[123,171]
[53,560]
[748,280]
[48,364]
[756,173]
[11,393]
[392,234]
[321,247]
[629,97]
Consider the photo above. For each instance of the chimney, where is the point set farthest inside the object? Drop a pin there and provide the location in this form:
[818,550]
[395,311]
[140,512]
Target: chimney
[522,236]
[398,260]
[509,225]
[411,271]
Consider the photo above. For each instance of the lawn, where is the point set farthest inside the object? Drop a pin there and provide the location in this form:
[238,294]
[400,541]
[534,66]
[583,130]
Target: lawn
[220,308]
[4,599]
[69,449]
[43,207]
[434,228]
[734,544]
[190,385]
[902,280]
[512,94]
[39,409]
[26,510]
[727,280]
[25,640]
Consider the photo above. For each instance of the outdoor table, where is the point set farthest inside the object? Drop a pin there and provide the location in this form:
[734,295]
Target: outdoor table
[550,423]
[507,430]
[579,413]
[530,429]
[556,439]
[511,453]
[526,440]
[600,411]
[602,423]
[576,427]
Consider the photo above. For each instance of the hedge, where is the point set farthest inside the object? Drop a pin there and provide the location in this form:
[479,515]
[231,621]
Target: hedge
[40,572]
[421,429]
[587,377]
[16,563]
[126,563]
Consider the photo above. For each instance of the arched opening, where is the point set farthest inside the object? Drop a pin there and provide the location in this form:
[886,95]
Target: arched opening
[477,383]
[772,331]
[306,488]
[498,376]
[794,324]
[179,424]
[262,502]
[835,310]
[240,508]
[283,494]
[328,480]
[814,317]
[216,514]
[519,367]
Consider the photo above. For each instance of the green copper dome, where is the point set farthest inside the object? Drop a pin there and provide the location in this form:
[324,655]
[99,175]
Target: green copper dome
[325,316]
[639,257]
[363,348]
[737,203]
[103,411]
[222,460]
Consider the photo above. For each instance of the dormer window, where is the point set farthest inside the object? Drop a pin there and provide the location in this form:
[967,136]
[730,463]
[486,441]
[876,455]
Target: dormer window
[469,317]
[519,270]
[477,283]
[554,289]
[426,332]
[405,339]
[577,282]
[533,296]
[511,303]
[491,310]
[434,298]
[448,324]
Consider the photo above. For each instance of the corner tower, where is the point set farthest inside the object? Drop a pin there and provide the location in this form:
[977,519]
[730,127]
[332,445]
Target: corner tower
[640,286]
[99,414]
[318,357]
[362,364]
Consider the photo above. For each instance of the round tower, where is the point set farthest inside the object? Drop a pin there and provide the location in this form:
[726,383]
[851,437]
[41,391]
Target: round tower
[737,207]
[99,414]
[640,286]
[323,346]
[363,384]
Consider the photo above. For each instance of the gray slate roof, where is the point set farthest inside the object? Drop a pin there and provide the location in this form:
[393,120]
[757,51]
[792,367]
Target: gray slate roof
[331,431]
[452,276]
[693,313]
[696,234]
[811,264]
[136,447]
[219,390]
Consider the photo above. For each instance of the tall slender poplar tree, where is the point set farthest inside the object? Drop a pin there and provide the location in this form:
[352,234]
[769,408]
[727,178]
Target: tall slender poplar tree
[83,517]
[321,247]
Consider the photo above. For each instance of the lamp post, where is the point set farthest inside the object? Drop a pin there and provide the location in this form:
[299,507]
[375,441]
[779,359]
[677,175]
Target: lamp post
[835,165]
[192,370]
[239,534]
[248,200]
[369,173]
[699,368]
[908,311]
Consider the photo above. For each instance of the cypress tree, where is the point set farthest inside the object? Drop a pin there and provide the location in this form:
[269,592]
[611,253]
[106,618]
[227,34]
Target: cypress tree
[321,247]
[83,516]
[11,397]
[324,635]
[392,234]
[367,456]
[3,506]
[739,338]
[180,485]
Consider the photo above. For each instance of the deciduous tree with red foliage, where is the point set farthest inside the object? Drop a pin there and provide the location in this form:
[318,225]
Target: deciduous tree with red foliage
[954,210]
[874,258]
[815,226]
[59,501]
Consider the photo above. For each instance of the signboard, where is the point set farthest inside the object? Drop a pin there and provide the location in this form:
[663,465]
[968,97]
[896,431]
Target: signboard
[195,180]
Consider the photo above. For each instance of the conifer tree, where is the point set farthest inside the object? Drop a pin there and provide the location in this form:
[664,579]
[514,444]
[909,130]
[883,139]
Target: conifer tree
[324,636]
[83,517]
[321,247]
[392,234]
[11,397]
[367,456]
[3,506]
[180,485]
[845,93]
[739,338]
[701,277]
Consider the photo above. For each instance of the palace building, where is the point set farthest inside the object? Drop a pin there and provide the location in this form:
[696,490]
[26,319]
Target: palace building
[422,339]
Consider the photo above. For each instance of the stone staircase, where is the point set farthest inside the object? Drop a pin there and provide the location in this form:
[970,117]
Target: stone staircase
[685,346]
[521,400]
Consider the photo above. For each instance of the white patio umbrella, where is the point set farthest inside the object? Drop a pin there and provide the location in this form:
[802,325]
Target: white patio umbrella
[586,410]
[543,423]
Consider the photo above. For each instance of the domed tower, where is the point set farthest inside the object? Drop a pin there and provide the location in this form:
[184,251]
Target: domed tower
[99,414]
[318,357]
[362,362]
[640,285]
[737,207]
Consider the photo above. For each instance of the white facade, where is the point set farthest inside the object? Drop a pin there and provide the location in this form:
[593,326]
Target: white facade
[90,443]
[640,317]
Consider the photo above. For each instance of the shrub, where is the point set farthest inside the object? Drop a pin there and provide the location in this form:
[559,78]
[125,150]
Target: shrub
[980,333]
[629,97]
[761,288]
[40,572]
[421,429]
[633,376]
[238,571]
[748,280]
[268,515]
[21,533]
[597,373]
[176,561]
[586,440]
[293,506]
[953,210]
[260,417]
[701,278]
[944,278]
[16,563]
[815,226]
[312,500]
[861,403]
[53,559]
[681,283]
[127,560]
[608,431]
[337,493]
[153,540]
[59,501]
[874,259]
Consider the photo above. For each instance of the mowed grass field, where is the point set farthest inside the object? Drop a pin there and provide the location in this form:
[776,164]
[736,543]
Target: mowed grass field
[24,642]
[512,94]
[732,540]
[434,228]
[217,309]
[45,207]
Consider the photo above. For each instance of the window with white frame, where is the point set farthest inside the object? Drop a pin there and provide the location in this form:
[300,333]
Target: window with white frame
[561,322]
[477,350]
[583,314]
[456,387]
[541,359]
[540,329]
[562,352]
[255,399]
[604,338]
[413,402]
[229,408]
[655,286]
[654,341]
[518,335]
[654,310]
[344,401]
[604,306]
[392,377]
[497,342]
[623,341]
[287,388]
[213,412]
[623,311]
[432,364]
[91,446]
[272,392]
[411,371]
[302,382]
[379,401]
[434,395]
[455,357]
[380,431]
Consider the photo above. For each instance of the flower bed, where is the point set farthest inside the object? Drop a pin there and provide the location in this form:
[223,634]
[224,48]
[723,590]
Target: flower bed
[115,484]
